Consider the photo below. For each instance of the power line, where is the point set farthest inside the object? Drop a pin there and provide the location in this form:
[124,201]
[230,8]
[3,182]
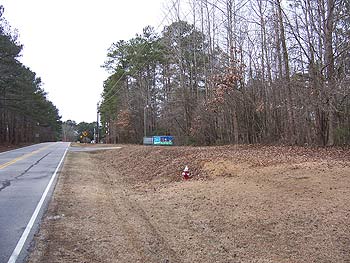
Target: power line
[139,51]
[142,48]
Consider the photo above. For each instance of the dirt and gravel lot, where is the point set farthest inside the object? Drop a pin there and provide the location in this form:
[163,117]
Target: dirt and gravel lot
[243,204]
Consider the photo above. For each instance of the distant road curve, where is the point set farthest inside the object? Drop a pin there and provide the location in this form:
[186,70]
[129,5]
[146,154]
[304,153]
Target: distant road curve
[27,177]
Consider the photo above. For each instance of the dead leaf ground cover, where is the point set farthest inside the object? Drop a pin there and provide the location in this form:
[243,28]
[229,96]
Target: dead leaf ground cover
[244,204]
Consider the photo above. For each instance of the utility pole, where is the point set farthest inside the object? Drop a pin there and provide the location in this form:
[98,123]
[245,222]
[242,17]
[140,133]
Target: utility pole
[144,121]
[97,125]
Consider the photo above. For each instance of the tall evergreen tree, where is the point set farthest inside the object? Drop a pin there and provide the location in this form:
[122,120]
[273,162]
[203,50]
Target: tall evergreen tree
[26,115]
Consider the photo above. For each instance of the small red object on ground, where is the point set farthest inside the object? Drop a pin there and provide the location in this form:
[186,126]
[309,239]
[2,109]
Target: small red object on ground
[186,173]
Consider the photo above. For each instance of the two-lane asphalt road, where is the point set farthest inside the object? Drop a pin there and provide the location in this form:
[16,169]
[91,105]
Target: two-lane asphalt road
[27,176]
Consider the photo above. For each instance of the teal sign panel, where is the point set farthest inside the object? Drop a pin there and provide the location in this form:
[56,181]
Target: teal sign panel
[163,140]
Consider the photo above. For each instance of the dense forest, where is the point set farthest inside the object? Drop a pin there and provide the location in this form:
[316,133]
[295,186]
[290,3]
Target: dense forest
[230,71]
[26,115]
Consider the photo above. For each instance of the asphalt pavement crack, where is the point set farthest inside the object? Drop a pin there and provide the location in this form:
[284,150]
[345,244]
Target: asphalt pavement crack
[31,166]
[7,183]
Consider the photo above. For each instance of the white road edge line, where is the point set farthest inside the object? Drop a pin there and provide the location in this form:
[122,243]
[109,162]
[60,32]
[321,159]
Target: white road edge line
[26,232]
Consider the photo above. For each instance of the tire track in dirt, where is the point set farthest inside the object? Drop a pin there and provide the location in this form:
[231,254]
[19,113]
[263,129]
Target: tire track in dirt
[92,218]
[140,232]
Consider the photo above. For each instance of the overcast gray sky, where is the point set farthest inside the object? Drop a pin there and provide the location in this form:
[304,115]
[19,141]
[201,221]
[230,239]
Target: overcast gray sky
[65,43]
